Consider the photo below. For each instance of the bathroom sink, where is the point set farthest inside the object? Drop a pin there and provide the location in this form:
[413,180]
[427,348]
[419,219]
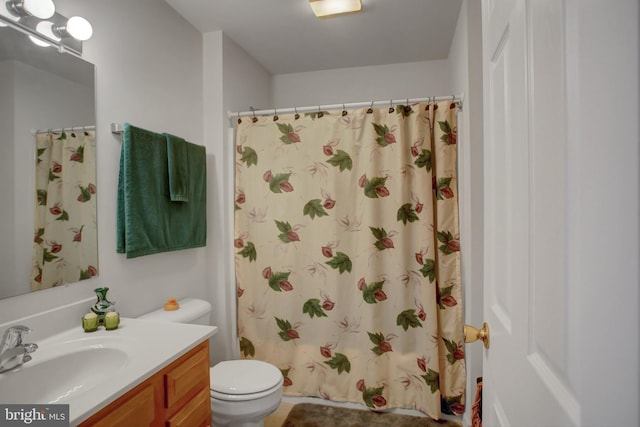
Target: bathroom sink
[88,371]
[62,370]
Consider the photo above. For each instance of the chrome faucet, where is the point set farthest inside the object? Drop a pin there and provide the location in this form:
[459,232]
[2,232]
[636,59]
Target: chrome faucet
[13,352]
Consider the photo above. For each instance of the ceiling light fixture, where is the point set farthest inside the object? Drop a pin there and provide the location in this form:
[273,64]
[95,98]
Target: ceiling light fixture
[326,8]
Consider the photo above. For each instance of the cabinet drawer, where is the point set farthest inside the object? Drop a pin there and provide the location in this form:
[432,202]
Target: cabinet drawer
[186,379]
[138,410]
[195,413]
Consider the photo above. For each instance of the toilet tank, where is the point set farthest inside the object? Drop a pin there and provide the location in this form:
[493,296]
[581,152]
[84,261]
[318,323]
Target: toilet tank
[192,310]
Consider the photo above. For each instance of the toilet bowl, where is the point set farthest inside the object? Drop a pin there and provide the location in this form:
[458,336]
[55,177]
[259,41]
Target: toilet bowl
[243,392]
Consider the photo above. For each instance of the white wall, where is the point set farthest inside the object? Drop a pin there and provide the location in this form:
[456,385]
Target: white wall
[602,75]
[232,80]
[214,125]
[465,58]
[148,72]
[245,83]
[395,81]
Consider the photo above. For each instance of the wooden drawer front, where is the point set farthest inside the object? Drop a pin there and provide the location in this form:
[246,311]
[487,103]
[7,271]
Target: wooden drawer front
[138,410]
[187,378]
[195,413]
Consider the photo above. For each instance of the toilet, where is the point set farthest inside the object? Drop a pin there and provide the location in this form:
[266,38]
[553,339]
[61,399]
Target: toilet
[243,392]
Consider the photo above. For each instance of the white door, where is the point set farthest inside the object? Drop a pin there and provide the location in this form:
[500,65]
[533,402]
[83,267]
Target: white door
[542,368]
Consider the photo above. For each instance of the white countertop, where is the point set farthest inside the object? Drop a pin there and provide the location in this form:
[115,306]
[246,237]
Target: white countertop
[150,346]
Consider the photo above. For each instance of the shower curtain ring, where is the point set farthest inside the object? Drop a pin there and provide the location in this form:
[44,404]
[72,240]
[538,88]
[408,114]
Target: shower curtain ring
[320,113]
[275,115]
[297,116]
[344,111]
[254,119]
[370,110]
[391,109]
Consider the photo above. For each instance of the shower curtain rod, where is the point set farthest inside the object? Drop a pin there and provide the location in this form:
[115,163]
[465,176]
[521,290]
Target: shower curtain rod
[457,99]
[69,129]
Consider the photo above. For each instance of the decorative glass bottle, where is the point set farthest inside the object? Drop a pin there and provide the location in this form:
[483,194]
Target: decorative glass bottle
[103,305]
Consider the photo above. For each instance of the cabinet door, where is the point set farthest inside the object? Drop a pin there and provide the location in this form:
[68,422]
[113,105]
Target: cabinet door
[178,395]
[195,413]
[137,410]
[186,379]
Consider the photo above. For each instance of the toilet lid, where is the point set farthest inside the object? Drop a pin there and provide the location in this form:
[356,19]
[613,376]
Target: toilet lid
[244,376]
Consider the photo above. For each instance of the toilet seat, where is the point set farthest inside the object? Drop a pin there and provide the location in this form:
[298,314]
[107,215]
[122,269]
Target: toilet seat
[241,380]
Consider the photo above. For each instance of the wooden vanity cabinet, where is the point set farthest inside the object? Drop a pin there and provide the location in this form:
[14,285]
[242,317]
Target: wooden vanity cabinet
[176,396]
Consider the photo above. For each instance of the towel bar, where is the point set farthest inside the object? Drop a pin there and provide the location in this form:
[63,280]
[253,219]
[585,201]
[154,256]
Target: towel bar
[116,128]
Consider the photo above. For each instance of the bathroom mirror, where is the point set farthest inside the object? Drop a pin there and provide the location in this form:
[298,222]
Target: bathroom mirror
[40,89]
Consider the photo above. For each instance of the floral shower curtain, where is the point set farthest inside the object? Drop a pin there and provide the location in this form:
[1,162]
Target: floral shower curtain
[65,245]
[347,254]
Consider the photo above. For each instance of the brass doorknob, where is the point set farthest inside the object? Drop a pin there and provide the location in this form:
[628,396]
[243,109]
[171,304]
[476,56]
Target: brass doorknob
[472,334]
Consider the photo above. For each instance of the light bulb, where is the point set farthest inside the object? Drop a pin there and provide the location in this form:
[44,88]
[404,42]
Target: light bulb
[38,42]
[42,9]
[79,28]
[46,28]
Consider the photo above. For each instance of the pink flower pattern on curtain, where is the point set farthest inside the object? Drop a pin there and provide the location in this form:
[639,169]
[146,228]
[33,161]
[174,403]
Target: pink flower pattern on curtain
[347,254]
[65,247]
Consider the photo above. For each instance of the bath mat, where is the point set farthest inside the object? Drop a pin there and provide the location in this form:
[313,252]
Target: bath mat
[314,415]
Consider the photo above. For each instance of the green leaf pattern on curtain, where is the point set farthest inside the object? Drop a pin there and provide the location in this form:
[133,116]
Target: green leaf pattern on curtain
[63,249]
[348,259]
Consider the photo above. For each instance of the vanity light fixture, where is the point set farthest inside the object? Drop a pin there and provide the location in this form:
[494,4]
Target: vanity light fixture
[46,27]
[327,8]
[41,9]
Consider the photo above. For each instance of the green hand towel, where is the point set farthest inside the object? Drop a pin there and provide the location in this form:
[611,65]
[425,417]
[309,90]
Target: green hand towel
[178,168]
[148,221]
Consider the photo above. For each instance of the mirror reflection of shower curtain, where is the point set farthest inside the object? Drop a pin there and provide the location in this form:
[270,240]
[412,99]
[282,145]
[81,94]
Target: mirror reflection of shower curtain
[347,255]
[65,246]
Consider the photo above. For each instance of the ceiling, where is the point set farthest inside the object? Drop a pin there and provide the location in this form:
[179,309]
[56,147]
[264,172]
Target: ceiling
[285,37]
